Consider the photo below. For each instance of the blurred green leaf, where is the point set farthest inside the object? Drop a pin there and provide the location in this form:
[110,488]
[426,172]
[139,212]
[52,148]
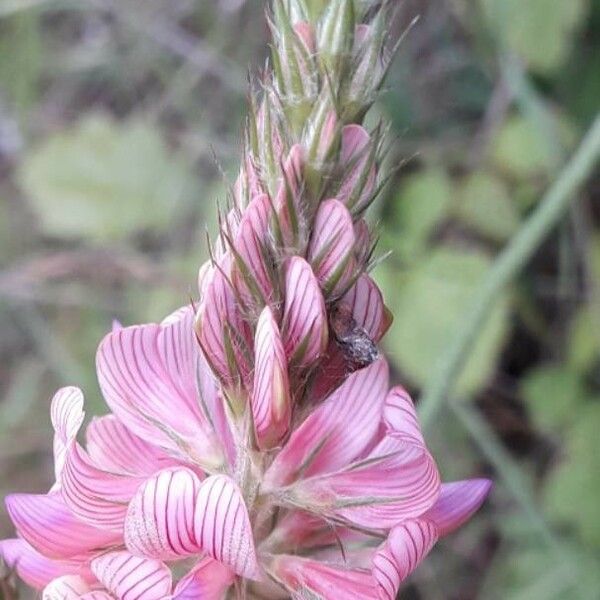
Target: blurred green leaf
[584,340]
[553,394]
[483,203]
[429,302]
[103,180]
[421,203]
[519,150]
[539,31]
[573,488]
[21,58]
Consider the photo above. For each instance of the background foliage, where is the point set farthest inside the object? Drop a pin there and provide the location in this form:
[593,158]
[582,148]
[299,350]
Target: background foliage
[117,123]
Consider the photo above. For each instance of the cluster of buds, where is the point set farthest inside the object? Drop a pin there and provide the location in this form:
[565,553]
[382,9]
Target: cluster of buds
[254,449]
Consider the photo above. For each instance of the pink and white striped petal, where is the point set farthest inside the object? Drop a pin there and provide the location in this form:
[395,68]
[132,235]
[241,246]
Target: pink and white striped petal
[160,517]
[364,242]
[401,417]
[360,178]
[46,523]
[222,526]
[96,496]
[35,569]
[304,325]
[406,546]
[66,414]
[97,595]
[331,248]
[117,449]
[252,273]
[221,330]
[208,580]
[457,503]
[288,199]
[271,401]
[67,587]
[397,480]
[365,303]
[336,432]
[147,374]
[129,577]
[307,578]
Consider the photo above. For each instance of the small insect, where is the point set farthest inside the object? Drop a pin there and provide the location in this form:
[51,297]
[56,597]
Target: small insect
[358,348]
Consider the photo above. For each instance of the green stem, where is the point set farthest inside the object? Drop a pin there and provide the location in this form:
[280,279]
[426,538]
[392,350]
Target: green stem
[515,481]
[508,264]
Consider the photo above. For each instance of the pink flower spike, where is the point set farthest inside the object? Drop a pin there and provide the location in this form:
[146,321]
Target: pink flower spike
[160,517]
[129,577]
[67,587]
[406,546]
[457,503]
[311,579]
[337,431]
[46,523]
[208,580]
[332,246]
[305,330]
[222,526]
[271,401]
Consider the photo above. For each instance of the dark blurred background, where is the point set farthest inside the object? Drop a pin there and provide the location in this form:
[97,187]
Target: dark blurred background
[119,129]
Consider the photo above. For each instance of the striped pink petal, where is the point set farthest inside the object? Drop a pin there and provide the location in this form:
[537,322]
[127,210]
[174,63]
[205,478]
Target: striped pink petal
[222,526]
[252,273]
[148,377]
[457,503]
[66,414]
[34,568]
[338,431]
[94,495]
[160,517]
[364,242]
[359,181]
[304,323]
[311,579]
[221,330]
[97,595]
[332,246]
[288,202]
[400,416]
[365,303]
[397,480]
[117,449]
[406,546]
[208,580]
[51,528]
[129,577]
[271,402]
[67,587]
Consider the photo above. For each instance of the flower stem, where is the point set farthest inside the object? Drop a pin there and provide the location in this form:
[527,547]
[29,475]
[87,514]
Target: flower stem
[508,264]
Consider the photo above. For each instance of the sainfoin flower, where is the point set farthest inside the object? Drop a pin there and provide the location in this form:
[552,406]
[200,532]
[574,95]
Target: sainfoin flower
[254,448]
